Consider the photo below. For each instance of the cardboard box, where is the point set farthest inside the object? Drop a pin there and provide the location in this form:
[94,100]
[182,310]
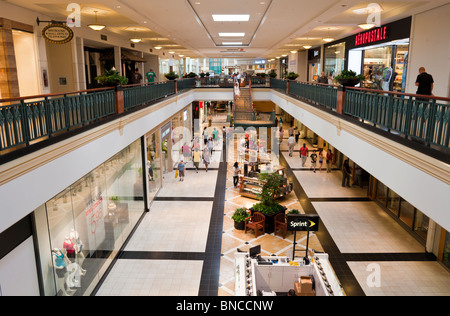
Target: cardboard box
[306,284]
[299,292]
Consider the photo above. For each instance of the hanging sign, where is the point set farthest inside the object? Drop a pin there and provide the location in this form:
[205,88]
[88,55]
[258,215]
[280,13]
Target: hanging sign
[302,222]
[57,33]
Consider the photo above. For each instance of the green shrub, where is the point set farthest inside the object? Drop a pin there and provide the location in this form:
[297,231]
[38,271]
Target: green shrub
[240,214]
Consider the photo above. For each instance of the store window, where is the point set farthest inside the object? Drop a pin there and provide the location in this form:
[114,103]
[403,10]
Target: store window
[87,223]
[154,164]
[407,213]
[381,193]
[421,223]
[334,59]
[393,202]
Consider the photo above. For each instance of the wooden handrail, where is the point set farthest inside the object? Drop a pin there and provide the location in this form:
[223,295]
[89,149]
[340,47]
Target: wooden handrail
[53,94]
[422,96]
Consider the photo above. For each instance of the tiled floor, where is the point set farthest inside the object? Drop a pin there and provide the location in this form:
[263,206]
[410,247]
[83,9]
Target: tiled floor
[184,246]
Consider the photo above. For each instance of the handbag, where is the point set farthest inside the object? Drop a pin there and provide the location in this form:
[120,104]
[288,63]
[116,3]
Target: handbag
[176,174]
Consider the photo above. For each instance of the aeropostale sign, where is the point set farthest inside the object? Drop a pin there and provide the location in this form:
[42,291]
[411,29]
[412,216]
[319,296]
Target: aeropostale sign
[302,222]
[372,36]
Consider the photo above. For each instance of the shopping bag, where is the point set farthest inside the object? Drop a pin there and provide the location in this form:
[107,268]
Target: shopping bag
[176,174]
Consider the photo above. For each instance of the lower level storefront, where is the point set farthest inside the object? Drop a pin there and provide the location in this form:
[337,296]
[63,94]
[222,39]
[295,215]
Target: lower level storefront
[79,232]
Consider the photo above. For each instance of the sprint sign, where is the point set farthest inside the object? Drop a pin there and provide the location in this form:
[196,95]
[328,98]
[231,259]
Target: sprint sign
[302,222]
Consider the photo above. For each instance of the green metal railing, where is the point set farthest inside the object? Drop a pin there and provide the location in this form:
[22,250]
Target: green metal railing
[185,84]
[319,94]
[278,84]
[427,120]
[25,120]
[134,95]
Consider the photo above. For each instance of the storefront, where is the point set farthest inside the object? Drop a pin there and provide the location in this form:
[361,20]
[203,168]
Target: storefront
[82,228]
[314,67]
[380,54]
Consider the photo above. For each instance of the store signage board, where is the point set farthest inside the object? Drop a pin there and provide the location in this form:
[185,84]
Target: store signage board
[302,222]
[372,36]
[57,33]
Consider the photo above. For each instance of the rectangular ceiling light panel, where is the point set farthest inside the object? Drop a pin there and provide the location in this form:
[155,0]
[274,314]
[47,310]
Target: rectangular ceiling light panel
[231,34]
[231,17]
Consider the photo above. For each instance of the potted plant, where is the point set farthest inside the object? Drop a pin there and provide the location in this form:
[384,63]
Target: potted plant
[272,73]
[349,78]
[192,75]
[171,75]
[293,212]
[239,216]
[291,76]
[272,188]
[112,78]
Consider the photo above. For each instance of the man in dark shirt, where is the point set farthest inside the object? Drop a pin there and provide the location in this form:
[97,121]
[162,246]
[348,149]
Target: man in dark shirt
[136,77]
[424,82]
[322,78]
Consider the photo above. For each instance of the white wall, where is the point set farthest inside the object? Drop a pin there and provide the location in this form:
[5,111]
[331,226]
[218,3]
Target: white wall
[430,48]
[18,273]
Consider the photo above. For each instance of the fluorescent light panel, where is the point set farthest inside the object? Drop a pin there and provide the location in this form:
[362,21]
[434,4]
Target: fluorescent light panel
[231,43]
[231,34]
[230,17]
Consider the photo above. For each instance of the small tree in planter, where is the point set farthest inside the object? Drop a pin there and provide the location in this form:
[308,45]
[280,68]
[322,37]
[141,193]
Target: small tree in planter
[239,216]
[270,191]
[171,75]
[291,76]
[349,78]
[272,74]
[112,78]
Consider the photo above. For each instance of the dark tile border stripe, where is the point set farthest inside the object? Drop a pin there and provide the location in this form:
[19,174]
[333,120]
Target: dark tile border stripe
[340,199]
[184,198]
[340,266]
[161,255]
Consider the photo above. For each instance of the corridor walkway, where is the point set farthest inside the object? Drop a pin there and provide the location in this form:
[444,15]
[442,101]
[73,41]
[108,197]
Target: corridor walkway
[185,245]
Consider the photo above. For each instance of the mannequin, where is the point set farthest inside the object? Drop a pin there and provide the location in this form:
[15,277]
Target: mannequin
[387,74]
[59,263]
[69,246]
[78,246]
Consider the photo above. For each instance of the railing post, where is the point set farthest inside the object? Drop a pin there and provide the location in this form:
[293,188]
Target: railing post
[287,87]
[119,100]
[175,83]
[340,103]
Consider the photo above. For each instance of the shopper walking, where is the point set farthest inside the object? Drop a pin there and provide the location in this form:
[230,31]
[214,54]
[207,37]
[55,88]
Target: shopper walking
[136,77]
[346,174]
[291,143]
[186,151]
[206,158]
[150,76]
[313,161]
[329,160]
[296,134]
[210,145]
[281,134]
[205,135]
[196,155]
[320,160]
[236,172]
[303,154]
[181,167]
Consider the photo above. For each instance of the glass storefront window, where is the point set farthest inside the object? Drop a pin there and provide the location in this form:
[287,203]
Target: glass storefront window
[421,224]
[154,164]
[393,202]
[88,222]
[381,193]
[334,59]
[406,212]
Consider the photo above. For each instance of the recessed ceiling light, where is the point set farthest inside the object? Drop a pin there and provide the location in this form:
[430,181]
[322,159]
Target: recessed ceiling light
[293,51]
[135,40]
[230,17]
[171,52]
[307,46]
[231,34]
[328,39]
[158,47]
[231,43]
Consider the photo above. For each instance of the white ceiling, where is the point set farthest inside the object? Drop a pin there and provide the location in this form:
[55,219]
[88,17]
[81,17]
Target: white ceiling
[186,27]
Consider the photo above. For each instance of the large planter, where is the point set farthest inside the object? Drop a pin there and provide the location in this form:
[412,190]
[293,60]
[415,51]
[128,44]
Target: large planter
[239,225]
[351,82]
[270,220]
